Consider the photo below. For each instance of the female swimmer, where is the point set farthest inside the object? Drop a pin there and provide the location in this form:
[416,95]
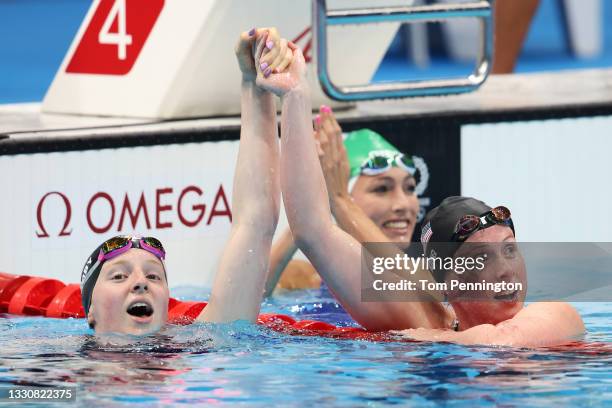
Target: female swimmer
[337,255]
[124,281]
[371,188]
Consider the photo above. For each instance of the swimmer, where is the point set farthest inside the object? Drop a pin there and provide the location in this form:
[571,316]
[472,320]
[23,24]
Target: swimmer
[495,318]
[371,189]
[124,281]
[336,254]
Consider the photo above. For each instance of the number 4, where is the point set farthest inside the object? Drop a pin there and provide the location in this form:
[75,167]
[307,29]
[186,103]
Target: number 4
[120,38]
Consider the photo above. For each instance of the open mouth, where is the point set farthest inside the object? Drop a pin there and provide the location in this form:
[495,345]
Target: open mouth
[140,309]
[507,296]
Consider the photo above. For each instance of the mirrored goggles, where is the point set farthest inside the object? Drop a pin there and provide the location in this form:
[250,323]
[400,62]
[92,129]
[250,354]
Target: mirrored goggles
[379,163]
[469,224]
[121,244]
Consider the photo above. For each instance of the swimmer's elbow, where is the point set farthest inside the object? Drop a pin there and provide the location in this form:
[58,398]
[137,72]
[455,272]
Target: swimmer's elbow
[308,236]
[555,325]
[264,224]
[572,321]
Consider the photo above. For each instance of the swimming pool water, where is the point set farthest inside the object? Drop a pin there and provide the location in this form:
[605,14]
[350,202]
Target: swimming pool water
[246,365]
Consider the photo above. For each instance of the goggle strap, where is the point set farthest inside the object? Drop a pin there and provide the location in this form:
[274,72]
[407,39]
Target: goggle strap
[118,251]
[369,171]
[149,248]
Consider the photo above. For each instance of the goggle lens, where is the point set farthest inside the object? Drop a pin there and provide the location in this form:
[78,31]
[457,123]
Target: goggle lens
[501,213]
[114,244]
[154,242]
[467,224]
[377,163]
[406,163]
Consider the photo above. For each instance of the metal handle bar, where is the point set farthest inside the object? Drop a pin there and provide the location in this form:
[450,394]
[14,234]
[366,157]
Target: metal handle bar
[483,10]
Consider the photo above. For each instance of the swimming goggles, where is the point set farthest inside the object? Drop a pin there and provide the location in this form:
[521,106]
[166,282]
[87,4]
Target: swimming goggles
[469,224]
[381,162]
[121,244]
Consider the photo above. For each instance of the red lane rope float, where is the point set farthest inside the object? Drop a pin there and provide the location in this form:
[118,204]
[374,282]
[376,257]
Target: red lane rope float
[35,296]
[66,303]
[8,290]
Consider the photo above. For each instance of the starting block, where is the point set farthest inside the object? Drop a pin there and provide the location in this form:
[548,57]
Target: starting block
[175,59]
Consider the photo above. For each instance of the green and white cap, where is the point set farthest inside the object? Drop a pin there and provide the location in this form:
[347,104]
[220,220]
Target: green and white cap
[360,146]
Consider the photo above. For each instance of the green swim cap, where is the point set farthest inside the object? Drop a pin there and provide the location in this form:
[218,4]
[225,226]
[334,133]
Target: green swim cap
[360,143]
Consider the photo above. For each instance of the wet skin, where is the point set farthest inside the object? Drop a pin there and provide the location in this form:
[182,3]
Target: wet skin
[504,262]
[134,278]
[389,200]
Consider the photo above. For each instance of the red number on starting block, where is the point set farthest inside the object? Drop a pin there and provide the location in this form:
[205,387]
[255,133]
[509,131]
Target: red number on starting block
[114,37]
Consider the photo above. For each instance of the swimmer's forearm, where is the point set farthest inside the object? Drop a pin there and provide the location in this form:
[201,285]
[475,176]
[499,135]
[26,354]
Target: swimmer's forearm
[483,334]
[256,191]
[351,218]
[280,255]
[539,324]
[305,194]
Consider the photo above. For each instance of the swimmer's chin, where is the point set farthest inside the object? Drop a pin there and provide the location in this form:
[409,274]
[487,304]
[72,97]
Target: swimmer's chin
[402,242]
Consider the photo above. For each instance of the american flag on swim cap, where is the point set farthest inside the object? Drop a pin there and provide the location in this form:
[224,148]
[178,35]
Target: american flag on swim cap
[426,233]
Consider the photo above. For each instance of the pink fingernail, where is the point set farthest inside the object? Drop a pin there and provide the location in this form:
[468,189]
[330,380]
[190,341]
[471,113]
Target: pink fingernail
[267,72]
[318,119]
[252,32]
[263,66]
[326,109]
[270,44]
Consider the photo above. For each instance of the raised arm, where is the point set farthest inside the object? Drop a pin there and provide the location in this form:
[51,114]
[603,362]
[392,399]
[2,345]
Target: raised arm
[239,283]
[334,253]
[282,251]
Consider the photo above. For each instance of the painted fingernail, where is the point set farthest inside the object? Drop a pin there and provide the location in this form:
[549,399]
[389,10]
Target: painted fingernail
[270,44]
[263,66]
[326,109]
[267,72]
[318,119]
[252,32]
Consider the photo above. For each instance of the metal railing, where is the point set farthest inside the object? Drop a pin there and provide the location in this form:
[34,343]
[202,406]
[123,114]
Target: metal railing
[483,10]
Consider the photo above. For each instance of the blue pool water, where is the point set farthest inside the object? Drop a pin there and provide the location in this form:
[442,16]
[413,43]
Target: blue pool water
[247,365]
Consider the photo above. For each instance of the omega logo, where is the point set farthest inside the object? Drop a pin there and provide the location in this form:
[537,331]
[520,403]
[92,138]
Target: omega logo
[64,232]
[125,213]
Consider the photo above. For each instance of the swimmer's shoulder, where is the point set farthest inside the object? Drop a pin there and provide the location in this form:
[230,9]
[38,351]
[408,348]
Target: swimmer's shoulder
[299,274]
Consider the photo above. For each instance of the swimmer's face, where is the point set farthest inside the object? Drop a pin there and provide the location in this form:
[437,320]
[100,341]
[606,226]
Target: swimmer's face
[389,200]
[131,295]
[503,262]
